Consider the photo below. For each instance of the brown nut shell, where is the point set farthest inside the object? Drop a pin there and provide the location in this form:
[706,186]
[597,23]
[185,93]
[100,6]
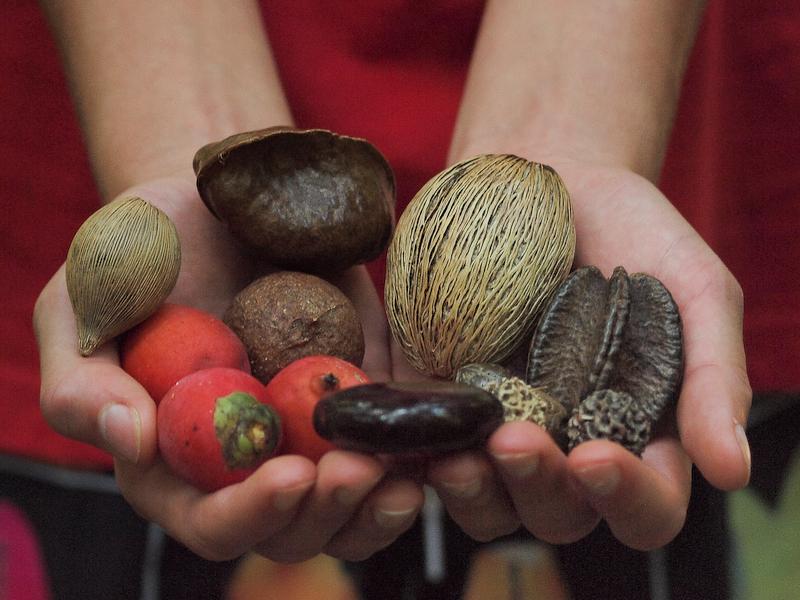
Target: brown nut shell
[287,315]
[309,200]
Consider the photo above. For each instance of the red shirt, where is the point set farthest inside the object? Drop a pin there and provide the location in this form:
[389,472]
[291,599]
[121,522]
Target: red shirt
[393,72]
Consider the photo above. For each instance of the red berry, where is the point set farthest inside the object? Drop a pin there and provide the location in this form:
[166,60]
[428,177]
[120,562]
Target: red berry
[175,341]
[215,427]
[294,392]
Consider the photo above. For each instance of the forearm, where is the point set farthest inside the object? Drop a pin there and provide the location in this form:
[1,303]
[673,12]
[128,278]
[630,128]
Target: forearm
[153,81]
[591,81]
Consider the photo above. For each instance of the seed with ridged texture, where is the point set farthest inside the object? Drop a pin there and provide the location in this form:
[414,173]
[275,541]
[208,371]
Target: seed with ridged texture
[475,257]
[610,415]
[122,264]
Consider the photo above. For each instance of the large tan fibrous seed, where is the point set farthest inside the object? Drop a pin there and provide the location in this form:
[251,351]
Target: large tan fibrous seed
[475,257]
[122,264]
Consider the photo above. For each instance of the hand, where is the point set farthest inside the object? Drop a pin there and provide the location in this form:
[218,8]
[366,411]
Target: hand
[622,219]
[290,509]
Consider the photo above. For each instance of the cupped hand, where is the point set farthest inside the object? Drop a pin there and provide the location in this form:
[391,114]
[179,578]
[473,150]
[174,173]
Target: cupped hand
[289,509]
[523,478]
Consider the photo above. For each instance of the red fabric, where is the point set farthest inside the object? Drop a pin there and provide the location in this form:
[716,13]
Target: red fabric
[22,573]
[733,170]
[392,72]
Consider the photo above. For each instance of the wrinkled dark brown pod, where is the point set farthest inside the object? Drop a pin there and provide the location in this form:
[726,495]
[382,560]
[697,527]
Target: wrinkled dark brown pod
[623,334]
[308,200]
[408,418]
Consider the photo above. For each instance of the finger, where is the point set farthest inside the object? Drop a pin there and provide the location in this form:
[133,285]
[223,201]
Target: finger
[225,524]
[357,285]
[644,501]
[473,496]
[534,471]
[89,398]
[401,368]
[344,479]
[716,395]
[388,512]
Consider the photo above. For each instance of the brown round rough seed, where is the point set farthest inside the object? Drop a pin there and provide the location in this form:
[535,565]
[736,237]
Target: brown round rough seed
[287,315]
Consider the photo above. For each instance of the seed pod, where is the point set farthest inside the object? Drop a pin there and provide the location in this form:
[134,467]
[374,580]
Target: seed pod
[302,200]
[482,375]
[613,416]
[122,264]
[522,402]
[620,336]
[476,255]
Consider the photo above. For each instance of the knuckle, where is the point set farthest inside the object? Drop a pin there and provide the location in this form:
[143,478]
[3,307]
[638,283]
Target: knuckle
[60,407]
[212,547]
[285,554]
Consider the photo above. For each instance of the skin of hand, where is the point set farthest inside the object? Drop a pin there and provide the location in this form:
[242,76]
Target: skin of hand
[591,89]
[524,478]
[288,510]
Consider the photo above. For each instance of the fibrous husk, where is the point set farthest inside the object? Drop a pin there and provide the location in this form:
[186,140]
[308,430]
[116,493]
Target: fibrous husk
[122,264]
[475,256]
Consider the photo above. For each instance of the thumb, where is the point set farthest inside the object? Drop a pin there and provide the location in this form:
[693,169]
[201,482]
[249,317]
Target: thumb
[90,399]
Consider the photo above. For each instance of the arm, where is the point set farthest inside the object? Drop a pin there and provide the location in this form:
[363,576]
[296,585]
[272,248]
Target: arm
[153,81]
[592,81]
[591,89]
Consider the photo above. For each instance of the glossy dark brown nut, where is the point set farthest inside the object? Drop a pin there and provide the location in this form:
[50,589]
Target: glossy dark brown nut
[308,200]
[623,334]
[408,418]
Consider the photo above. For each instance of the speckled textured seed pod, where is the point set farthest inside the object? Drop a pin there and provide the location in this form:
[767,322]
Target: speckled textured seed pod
[122,264]
[521,402]
[475,257]
[613,416]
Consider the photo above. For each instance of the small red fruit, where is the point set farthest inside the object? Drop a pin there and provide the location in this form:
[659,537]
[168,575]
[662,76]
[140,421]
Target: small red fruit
[294,392]
[175,341]
[215,427]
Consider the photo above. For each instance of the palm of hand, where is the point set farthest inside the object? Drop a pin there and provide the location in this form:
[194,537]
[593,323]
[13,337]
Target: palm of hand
[621,219]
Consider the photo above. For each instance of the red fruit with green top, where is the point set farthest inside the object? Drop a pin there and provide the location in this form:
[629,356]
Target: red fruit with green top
[215,427]
[175,341]
[294,392]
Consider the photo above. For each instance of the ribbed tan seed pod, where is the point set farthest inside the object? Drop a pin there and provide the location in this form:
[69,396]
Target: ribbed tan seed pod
[122,264]
[475,256]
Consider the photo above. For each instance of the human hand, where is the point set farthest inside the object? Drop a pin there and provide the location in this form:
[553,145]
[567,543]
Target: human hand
[289,509]
[523,478]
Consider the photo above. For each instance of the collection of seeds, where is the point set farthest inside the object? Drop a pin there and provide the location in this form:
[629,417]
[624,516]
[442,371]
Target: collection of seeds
[481,296]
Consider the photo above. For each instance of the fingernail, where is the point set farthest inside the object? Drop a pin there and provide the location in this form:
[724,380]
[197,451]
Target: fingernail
[390,519]
[518,466]
[601,479]
[286,500]
[744,445]
[121,429]
[466,490]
